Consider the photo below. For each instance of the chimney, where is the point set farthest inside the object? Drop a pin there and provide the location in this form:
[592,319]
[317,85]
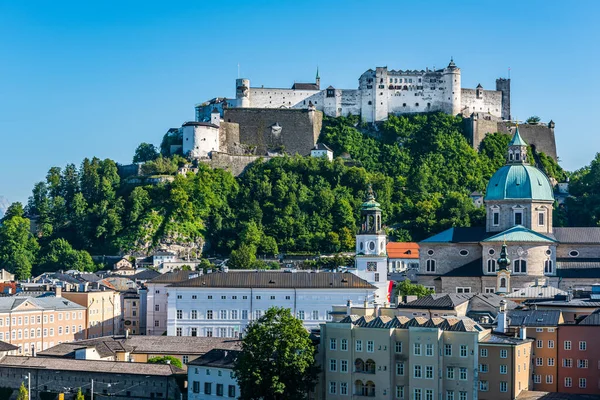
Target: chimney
[349,307]
[366,304]
[33,352]
[502,323]
[377,311]
[127,333]
[58,291]
[570,294]
[523,333]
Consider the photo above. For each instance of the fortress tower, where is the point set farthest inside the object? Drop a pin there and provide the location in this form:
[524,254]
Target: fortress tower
[452,88]
[242,92]
[503,85]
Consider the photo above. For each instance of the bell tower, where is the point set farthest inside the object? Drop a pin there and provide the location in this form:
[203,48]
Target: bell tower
[371,253]
[517,150]
[503,274]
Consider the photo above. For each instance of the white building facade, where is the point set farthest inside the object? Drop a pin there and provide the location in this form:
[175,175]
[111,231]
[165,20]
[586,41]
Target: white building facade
[380,92]
[222,304]
[211,376]
[156,300]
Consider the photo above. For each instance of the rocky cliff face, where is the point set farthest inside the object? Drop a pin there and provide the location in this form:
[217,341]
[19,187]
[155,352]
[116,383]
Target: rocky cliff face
[3,205]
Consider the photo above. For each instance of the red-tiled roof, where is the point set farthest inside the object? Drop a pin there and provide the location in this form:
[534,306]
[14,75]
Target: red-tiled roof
[403,250]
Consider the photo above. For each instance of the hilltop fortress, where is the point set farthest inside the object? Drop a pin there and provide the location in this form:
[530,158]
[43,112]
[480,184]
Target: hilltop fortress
[268,120]
[380,92]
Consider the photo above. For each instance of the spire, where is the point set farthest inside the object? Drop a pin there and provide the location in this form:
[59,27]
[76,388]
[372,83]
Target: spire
[370,202]
[318,77]
[370,194]
[451,65]
[517,140]
[517,149]
[503,261]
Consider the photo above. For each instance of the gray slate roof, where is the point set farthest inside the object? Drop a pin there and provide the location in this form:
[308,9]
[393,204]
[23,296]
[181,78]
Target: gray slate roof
[592,319]
[577,235]
[263,279]
[438,301]
[459,235]
[219,358]
[305,86]
[7,346]
[173,277]
[107,367]
[494,338]
[456,324]
[108,346]
[537,318]
[47,303]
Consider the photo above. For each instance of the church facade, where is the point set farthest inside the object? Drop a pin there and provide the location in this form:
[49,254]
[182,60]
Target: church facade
[518,247]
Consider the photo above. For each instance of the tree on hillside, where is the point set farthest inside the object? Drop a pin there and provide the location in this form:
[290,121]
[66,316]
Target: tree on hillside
[14,210]
[59,254]
[277,359]
[18,247]
[583,208]
[533,120]
[176,362]
[145,152]
[406,288]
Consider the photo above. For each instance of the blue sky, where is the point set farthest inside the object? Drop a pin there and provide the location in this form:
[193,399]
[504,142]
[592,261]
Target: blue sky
[95,78]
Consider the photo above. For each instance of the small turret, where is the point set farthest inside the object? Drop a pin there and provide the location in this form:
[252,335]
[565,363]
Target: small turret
[503,261]
[517,149]
[215,117]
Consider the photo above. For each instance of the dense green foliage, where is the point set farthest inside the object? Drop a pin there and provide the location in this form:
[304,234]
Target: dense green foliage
[79,395]
[145,152]
[406,288]
[583,208]
[277,358]
[174,361]
[421,167]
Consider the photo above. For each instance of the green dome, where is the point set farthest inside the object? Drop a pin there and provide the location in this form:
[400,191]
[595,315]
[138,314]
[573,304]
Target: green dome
[518,181]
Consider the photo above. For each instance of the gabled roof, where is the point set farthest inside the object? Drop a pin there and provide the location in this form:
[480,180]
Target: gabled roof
[403,250]
[266,279]
[438,301]
[578,235]
[592,319]
[106,367]
[219,358]
[537,318]
[459,235]
[305,86]
[536,292]
[456,324]
[520,234]
[322,146]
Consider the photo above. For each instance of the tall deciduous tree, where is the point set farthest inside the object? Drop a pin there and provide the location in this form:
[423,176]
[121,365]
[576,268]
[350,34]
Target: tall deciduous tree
[18,248]
[23,393]
[145,152]
[277,359]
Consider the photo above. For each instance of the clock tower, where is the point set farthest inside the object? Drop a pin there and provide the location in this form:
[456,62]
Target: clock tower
[371,254]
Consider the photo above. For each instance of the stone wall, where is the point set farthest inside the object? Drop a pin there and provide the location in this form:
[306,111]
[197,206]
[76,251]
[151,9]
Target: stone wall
[540,137]
[296,130]
[229,137]
[236,164]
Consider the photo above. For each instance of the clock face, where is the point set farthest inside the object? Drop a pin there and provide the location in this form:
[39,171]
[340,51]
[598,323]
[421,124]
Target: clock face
[371,266]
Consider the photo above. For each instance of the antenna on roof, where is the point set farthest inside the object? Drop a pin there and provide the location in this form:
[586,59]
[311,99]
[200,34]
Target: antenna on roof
[238,70]
[508,72]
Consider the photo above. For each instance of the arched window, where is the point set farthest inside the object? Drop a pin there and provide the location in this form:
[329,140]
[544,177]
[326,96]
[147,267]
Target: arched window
[502,282]
[520,267]
[370,366]
[359,365]
[359,388]
[491,265]
[517,156]
[370,389]
[548,267]
[430,265]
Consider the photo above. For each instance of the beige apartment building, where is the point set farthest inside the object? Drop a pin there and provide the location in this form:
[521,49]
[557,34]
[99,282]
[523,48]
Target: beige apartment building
[386,356]
[131,312]
[103,316]
[36,323]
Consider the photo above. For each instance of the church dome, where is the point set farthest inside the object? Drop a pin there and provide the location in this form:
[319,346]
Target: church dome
[519,181]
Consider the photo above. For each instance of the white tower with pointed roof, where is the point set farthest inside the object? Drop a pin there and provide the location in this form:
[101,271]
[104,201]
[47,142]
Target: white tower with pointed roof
[371,254]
